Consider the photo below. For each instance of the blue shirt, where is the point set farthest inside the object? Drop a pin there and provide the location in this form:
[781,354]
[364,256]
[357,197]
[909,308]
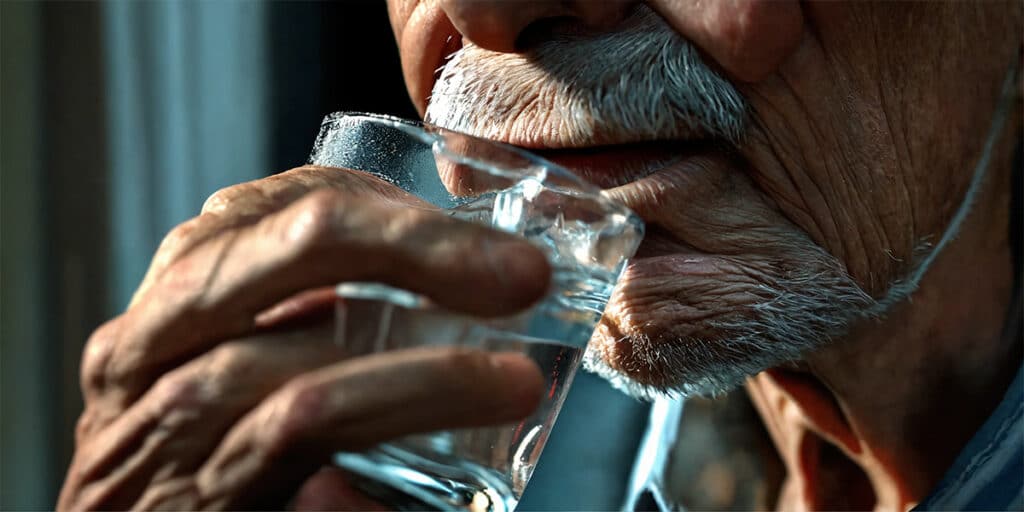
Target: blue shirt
[989,472]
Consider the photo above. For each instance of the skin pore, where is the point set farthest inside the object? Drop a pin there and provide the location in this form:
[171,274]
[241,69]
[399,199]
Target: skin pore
[862,139]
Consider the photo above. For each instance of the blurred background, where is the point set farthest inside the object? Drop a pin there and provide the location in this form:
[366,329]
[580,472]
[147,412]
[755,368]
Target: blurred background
[117,120]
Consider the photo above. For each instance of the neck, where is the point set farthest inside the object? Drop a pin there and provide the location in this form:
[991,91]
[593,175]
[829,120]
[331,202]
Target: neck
[882,414]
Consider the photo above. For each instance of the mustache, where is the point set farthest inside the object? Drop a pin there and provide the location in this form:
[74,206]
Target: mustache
[641,82]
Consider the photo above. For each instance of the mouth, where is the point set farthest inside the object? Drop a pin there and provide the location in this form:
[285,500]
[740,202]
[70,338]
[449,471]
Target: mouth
[618,165]
[656,180]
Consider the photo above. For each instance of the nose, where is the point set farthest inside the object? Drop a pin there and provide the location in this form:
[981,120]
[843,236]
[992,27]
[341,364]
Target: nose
[497,25]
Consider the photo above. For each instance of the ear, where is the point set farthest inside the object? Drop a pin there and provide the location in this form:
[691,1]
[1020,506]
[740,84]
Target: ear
[818,445]
[818,406]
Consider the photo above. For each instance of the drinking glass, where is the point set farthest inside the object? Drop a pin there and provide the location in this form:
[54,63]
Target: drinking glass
[587,239]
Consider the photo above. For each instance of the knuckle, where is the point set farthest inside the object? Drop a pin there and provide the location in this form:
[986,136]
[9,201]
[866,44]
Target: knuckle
[315,220]
[221,199]
[415,230]
[324,203]
[99,348]
[85,426]
[174,392]
[174,494]
[300,404]
[227,360]
[226,368]
[180,235]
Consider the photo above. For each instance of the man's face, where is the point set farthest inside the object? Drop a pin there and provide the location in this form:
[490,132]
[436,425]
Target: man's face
[792,161]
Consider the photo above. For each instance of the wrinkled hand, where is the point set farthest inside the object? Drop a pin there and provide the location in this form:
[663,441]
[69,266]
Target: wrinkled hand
[206,393]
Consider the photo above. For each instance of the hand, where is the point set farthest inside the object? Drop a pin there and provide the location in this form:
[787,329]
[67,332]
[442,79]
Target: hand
[201,396]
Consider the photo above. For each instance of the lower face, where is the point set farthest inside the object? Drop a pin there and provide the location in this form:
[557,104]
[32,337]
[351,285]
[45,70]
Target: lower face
[723,285]
[733,276]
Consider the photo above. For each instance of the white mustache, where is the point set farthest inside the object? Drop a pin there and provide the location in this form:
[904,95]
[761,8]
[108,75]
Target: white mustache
[641,82]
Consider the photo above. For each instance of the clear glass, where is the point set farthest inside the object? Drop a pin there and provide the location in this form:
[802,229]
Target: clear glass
[586,237]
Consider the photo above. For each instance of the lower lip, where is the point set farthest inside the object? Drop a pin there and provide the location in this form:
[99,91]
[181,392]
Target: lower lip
[613,166]
[662,253]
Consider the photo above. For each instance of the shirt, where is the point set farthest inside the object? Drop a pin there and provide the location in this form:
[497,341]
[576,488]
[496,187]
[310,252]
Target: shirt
[988,474]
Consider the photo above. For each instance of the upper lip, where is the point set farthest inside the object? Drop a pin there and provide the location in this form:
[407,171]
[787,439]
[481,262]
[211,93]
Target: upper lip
[521,124]
[611,158]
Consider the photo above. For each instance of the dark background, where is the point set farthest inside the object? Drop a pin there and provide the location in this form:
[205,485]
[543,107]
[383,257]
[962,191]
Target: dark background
[57,105]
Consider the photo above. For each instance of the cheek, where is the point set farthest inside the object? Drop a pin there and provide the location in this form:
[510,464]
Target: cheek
[822,149]
[867,135]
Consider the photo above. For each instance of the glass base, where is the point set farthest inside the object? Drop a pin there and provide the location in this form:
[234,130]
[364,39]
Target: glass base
[408,481]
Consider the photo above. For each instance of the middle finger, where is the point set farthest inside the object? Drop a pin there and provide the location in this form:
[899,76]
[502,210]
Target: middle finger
[216,291]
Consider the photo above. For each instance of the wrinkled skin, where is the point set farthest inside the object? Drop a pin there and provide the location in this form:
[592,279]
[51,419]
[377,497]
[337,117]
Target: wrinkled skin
[220,387]
[866,120]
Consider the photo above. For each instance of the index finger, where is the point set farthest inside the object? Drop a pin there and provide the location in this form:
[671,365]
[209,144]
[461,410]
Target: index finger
[217,290]
[246,203]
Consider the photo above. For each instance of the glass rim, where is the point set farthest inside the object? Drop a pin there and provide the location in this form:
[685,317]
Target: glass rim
[435,137]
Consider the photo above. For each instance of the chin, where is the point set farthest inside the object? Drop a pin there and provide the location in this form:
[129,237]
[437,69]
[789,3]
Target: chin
[689,322]
[724,285]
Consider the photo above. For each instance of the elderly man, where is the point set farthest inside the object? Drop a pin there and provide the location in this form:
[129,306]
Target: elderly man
[826,191]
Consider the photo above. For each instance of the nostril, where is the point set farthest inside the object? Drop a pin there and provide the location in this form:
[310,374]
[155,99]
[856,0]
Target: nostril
[511,26]
[578,22]
[546,29]
[609,15]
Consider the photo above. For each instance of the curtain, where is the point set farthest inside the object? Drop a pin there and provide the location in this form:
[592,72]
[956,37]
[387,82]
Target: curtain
[188,114]
[119,118]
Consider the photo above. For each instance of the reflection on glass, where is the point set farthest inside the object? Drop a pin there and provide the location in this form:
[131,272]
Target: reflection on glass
[587,239]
